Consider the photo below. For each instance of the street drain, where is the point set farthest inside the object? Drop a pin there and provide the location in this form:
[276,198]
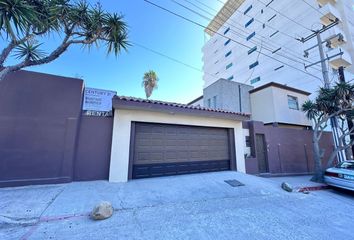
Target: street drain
[234,183]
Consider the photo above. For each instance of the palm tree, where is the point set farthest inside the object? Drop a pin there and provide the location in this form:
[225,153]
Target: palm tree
[25,25]
[149,83]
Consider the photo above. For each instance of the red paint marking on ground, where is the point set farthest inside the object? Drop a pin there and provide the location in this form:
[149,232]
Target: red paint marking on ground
[27,235]
[315,188]
[30,232]
[64,217]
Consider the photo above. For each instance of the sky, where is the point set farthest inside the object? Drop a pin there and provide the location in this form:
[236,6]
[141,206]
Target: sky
[152,28]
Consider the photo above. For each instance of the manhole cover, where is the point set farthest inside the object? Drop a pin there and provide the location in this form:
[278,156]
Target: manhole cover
[234,183]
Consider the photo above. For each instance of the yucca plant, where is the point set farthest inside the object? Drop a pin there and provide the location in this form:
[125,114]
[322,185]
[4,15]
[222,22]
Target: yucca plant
[335,103]
[25,25]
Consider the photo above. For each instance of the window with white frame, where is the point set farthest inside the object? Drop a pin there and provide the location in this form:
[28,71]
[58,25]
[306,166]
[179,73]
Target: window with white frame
[293,102]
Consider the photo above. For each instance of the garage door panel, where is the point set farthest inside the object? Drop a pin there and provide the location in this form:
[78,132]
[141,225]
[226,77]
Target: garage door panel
[162,149]
[168,169]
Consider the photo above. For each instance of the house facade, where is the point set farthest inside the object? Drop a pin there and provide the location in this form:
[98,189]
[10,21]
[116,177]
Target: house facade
[273,103]
[279,105]
[154,138]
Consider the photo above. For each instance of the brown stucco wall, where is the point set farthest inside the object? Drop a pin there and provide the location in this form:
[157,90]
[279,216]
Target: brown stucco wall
[94,148]
[39,119]
[289,150]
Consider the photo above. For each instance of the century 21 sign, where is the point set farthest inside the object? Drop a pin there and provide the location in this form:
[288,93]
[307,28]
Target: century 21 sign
[97,102]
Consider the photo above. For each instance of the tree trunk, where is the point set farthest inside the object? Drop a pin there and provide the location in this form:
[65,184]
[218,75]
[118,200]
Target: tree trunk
[332,158]
[3,73]
[317,156]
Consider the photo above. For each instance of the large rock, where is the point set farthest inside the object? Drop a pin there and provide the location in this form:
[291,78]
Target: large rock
[102,211]
[287,187]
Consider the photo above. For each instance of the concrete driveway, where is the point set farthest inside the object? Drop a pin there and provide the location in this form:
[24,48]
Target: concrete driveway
[200,206]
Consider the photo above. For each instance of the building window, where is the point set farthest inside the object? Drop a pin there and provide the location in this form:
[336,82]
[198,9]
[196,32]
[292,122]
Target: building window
[247,10]
[228,54]
[214,102]
[293,102]
[227,42]
[251,36]
[276,50]
[270,19]
[249,22]
[228,65]
[209,103]
[252,50]
[280,67]
[253,65]
[230,78]
[227,30]
[273,33]
[257,79]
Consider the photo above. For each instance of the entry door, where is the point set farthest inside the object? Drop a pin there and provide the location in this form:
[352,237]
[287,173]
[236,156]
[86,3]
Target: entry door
[261,153]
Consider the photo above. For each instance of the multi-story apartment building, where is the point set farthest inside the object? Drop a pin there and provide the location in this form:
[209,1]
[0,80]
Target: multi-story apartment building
[256,42]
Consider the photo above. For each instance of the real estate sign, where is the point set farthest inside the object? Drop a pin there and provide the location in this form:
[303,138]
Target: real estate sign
[98,102]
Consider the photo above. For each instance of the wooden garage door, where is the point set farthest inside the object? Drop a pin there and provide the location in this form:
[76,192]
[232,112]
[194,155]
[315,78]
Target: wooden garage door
[164,149]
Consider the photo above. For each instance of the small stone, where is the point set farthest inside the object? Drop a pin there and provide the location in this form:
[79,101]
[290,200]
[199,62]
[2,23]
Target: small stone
[306,192]
[287,187]
[102,211]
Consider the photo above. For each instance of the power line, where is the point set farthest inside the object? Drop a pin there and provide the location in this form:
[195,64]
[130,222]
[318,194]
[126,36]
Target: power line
[205,27]
[172,59]
[241,29]
[243,36]
[205,5]
[195,5]
[316,9]
[281,14]
[259,21]
[269,26]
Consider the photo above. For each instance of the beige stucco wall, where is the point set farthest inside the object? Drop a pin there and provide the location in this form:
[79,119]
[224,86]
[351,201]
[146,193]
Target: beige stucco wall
[283,113]
[121,136]
[262,106]
[271,105]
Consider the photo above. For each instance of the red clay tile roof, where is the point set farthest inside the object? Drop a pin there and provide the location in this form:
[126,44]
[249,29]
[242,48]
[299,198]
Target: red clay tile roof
[179,105]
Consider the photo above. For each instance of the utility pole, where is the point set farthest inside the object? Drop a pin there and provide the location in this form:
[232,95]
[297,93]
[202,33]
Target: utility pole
[323,61]
[334,123]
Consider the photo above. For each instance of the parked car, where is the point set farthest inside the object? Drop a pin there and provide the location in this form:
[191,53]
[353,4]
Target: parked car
[341,176]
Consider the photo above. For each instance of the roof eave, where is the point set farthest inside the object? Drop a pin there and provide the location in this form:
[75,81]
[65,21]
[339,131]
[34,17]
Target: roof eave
[165,108]
[223,15]
[280,86]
